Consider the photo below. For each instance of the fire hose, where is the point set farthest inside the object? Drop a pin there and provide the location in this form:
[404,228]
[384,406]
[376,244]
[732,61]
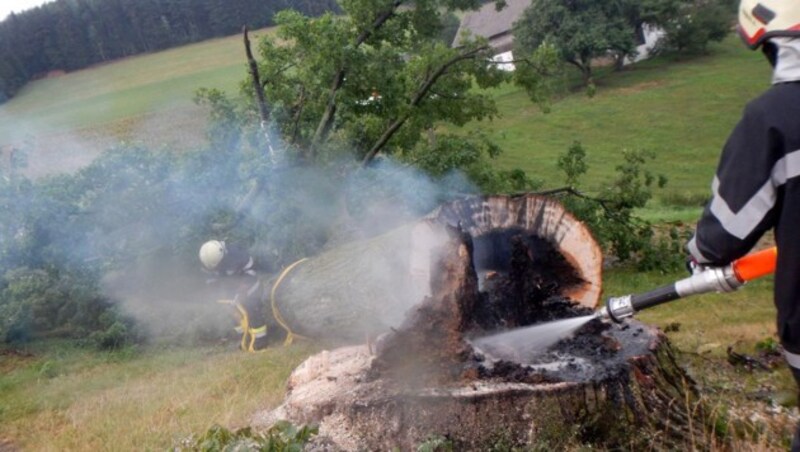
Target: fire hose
[710,279]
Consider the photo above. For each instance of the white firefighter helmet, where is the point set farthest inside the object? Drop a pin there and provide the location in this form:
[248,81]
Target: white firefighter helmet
[760,20]
[211,253]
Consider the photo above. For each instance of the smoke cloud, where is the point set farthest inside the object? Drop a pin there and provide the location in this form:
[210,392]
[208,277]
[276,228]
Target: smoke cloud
[145,216]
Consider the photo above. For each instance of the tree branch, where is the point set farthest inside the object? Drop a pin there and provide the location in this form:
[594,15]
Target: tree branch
[328,116]
[263,111]
[575,63]
[298,111]
[421,93]
[607,205]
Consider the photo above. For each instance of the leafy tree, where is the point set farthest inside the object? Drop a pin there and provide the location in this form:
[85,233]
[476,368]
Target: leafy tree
[697,23]
[611,213]
[376,80]
[581,30]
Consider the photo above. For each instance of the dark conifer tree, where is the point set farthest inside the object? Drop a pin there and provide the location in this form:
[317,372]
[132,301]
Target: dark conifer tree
[73,34]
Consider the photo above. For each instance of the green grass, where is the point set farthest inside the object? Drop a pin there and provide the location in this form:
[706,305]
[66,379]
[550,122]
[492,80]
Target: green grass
[680,109]
[69,398]
[122,91]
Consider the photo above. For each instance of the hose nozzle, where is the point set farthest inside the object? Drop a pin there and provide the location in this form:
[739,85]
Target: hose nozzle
[710,279]
[617,308]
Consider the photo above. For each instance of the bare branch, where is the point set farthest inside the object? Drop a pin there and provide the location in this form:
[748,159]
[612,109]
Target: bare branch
[298,111]
[326,121]
[421,93]
[263,111]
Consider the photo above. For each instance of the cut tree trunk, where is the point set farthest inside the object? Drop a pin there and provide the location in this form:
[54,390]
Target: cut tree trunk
[606,385]
[366,288]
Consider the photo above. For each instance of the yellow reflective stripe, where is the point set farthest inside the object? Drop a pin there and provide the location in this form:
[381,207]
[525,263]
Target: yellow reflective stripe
[258,332]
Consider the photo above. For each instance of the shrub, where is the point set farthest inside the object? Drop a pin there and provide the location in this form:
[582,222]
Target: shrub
[40,303]
[699,23]
[282,437]
[611,215]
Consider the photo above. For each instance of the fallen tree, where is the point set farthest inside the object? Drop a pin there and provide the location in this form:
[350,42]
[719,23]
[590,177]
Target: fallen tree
[497,263]
[365,288]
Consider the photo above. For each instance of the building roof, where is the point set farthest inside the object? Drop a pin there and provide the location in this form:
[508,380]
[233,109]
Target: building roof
[490,23]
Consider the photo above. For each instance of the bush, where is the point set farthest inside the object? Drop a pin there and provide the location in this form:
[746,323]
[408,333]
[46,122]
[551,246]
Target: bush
[611,215]
[113,338]
[282,437]
[38,303]
[699,23]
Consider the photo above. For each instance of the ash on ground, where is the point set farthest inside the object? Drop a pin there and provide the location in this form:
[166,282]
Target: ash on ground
[593,352]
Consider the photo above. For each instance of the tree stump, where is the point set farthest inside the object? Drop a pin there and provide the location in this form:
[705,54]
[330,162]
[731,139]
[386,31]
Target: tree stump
[608,385]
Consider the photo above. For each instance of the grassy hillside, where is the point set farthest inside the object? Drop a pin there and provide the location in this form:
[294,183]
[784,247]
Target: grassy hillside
[131,87]
[681,109]
[55,396]
[67,120]
[61,397]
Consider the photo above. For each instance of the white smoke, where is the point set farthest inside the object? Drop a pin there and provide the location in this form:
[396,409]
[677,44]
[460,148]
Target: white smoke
[164,290]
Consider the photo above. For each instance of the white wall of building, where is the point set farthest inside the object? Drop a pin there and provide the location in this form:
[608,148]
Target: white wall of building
[504,61]
[652,35]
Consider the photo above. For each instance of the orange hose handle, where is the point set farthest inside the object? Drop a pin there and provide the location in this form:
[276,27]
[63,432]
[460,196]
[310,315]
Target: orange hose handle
[755,265]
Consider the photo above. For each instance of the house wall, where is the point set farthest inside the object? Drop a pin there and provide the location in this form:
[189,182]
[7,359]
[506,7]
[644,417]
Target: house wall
[652,35]
[505,59]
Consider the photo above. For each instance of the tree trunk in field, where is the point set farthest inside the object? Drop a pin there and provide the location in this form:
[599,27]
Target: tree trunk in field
[611,386]
[367,287]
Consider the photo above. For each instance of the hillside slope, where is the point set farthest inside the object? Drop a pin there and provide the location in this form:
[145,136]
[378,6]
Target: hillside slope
[67,120]
[680,109]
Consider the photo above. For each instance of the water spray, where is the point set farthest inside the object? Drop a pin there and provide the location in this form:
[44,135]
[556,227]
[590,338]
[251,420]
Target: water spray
[705,280]
[522,343]
[516,344]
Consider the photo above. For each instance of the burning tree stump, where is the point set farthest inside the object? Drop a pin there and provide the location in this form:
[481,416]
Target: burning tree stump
[603,385]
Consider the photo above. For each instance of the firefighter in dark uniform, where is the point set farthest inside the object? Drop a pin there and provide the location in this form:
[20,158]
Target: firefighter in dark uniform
[757,184]
[233,267]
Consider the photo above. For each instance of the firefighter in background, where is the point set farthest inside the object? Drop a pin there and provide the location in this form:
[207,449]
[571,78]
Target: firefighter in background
[757,184]
[234,268]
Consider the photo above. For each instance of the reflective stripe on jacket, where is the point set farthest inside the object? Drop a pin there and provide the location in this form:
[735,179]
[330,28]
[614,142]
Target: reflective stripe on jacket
[757,188]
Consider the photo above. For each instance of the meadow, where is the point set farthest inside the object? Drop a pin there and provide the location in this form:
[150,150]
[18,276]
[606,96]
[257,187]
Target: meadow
[57,396]
[65,121]
[680,108]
